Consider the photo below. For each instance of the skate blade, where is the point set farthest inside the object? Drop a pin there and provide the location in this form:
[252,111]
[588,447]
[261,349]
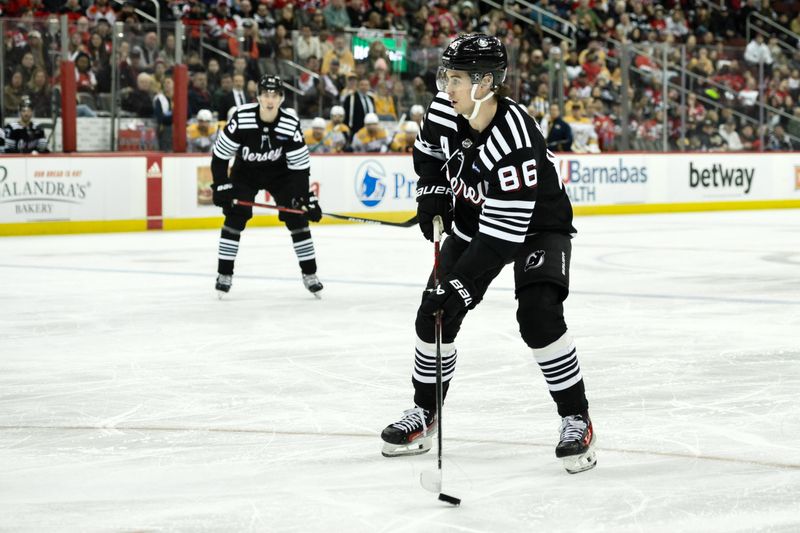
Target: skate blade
[580,463]
[220,294]
[431,480]
[418,447]
[317,295]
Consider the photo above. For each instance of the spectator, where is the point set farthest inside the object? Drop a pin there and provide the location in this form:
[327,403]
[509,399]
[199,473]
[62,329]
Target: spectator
[236,97]
[384,103]
[420,93]
[731,138]
[26,67]
[100,9]
[793,128]
[778,140]
[199,98]
[150,51]
[757,51]
[317,139]
[404,139]
[201,134]
[41,94]
[13,93]
[36,46]
[307,45]
[213,75]
[557,131]
[372,137]
[84,75]
[358,105]
[710,139]
[336,17]
[167,53]
[139,101]
[162,111]
[338,130]
[342,54]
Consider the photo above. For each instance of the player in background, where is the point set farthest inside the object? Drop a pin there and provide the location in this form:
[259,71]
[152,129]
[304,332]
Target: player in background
[269,154]
[23,136]
[484,167]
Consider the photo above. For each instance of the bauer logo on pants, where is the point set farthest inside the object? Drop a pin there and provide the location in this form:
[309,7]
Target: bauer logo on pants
[535,260]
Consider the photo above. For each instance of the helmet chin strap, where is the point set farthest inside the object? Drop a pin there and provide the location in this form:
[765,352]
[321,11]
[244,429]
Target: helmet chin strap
[477,101]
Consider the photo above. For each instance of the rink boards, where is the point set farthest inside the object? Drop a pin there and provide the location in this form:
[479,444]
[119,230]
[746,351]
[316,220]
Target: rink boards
[114,192]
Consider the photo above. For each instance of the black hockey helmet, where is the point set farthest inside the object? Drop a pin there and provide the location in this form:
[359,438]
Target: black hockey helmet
[270,82]
[479,54]
[25,103]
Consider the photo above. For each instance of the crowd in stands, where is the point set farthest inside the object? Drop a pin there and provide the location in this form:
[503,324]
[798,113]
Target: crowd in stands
[366,104]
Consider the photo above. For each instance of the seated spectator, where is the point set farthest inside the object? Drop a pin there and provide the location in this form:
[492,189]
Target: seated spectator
[558,132]
[757,51]
[336,16]
[584,136]
[384,103]
[139,101]
[26,67]
[778,140]
[317,139]
[162,111]
[372,137]
[202,134]
[340,53]
[13,94]
[750,141]
[199,98]
[731,138]
[85,79]
[235,97]
[338,130]
[710,139]
[307,45]
[41,93]
[404,139]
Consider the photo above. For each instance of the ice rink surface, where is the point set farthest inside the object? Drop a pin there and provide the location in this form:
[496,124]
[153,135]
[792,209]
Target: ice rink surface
[131,399]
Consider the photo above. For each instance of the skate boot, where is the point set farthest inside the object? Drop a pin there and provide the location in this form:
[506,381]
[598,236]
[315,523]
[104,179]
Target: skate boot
[576,445]
[411,435]
[312,283]
[224,282]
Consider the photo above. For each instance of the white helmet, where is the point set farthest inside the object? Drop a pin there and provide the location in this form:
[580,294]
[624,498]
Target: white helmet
[204,115]
[337,110]
[318,122]
[370,118]
[417,109]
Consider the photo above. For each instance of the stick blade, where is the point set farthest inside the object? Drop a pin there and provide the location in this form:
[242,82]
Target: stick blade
[431,480]
[452,500]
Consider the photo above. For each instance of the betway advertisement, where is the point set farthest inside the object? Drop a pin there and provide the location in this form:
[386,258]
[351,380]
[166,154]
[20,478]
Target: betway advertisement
[40,189]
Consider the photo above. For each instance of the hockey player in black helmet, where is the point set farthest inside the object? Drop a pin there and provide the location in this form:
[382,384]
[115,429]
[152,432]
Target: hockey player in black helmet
[269,153]
[484,167]
[23,136]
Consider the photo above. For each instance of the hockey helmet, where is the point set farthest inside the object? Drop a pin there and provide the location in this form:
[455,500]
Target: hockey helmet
[478,54]
[270,82]
[25,103]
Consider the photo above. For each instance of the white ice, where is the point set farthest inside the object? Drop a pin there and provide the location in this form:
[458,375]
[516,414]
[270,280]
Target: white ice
[131,399]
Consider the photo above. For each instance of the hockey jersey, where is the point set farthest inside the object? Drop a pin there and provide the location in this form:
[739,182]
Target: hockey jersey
[24,139]
[505,181]
[261,148]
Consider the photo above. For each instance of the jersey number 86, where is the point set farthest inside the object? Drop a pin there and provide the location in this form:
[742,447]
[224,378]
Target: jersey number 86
[510,177]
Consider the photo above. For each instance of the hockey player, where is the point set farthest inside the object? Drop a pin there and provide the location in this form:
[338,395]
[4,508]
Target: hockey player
[484,167]
[270,154]
[23,136]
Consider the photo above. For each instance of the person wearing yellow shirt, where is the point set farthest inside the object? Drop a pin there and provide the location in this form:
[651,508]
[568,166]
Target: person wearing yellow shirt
[347,62]
[372,137]
[338,130]
[584,135]
[201,135]
[317,140]
[404,139]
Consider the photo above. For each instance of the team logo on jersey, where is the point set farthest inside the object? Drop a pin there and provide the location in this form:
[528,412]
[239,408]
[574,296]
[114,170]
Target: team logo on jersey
[369,183]
[535,260]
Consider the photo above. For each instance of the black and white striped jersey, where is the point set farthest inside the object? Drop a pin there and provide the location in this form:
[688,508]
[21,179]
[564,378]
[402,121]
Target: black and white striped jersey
[262,148]
[505,181]
[23,139]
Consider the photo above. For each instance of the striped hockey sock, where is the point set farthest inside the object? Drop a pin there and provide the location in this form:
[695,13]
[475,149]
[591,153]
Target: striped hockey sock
[425,362]
[228,248]
[562,372]
[304,249]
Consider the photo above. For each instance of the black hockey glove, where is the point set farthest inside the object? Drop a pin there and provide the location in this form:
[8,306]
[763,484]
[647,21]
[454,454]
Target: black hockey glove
[452,296]
[434,200]
[223,194]
[314,210]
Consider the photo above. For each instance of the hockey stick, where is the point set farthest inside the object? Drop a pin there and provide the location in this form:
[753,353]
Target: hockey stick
[432,479]
[407,224]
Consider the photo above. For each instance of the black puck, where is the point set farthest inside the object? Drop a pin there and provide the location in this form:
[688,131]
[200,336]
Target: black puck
[452,500]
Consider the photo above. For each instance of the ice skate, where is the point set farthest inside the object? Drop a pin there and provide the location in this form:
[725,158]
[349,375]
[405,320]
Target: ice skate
[576,444]
[313,284]
[411,435]
[223,285]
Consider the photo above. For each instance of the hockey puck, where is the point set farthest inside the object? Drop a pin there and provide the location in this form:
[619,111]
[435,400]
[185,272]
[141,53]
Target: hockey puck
[452,500]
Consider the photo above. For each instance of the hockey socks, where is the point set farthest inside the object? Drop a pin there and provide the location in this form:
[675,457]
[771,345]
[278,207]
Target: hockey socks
[304,249]
[558,362]
[424,374]
[228,248]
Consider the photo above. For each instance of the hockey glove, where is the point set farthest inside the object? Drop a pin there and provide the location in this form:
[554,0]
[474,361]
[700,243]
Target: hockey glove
[453,296]
[223,194]
[433,200]
[314,210]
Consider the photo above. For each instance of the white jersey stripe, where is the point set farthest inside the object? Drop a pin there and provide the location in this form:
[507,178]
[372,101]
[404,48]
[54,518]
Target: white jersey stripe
[495,154]
[500,141]
[514,132]
[517,114]
[502,235]
[443,121]
[443,108]
[519,204]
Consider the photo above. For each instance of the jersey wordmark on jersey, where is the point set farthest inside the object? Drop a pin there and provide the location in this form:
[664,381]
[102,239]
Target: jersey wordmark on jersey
[256,145]
[505,181]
